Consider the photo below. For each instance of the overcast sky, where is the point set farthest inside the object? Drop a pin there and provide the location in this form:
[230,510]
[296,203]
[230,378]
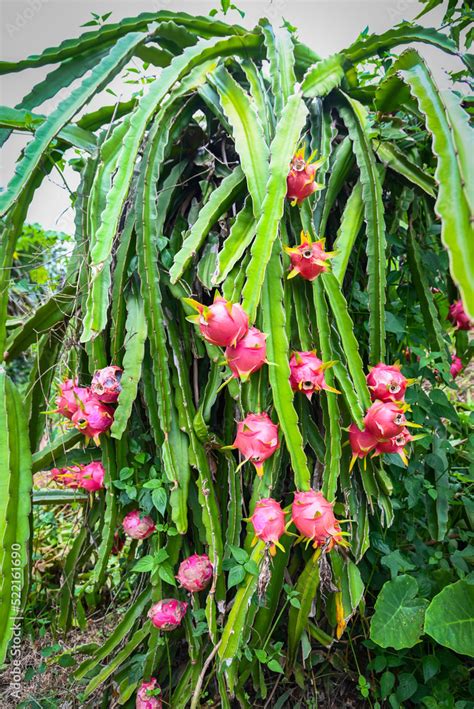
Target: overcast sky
[29,26]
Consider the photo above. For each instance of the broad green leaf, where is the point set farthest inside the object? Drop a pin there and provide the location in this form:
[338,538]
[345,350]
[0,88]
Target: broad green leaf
[399,614]
[449,618]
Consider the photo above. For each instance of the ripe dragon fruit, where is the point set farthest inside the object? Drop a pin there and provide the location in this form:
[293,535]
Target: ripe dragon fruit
[145,698]
[71,398]
[314,518]
[248,355]
[307,373]
[92,476]
[69,477]
[195,573]
[458,316]
[385,419]
[309,258]
[106,384]
[301,177]
[387,383]
[138,526]
[93,418]
[223,323]
[257,439]
[396,445]
[361,442]
[456,366]
[88,477]
[167,614]
[268,521]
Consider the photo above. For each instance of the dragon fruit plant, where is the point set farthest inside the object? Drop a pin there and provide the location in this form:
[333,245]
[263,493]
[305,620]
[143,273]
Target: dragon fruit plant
[209,242]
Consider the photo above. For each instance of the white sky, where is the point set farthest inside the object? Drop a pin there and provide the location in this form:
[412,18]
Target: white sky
[29,26]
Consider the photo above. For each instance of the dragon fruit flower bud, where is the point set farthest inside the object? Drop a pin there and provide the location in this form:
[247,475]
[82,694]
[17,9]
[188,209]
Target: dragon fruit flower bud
[314,518]
[195,573]
[223,323]
[300,182]
[309,259]
[137,526]
[167,614]
[361,442]
[93,418]
[385,419]
[71,398]
[145,697]
[69,477]
[248,355]
[268,521]
[257,439]
[387,383]
[92,476]
[456,366]
[106,384]
[396,445]
[458,316]
[307,373]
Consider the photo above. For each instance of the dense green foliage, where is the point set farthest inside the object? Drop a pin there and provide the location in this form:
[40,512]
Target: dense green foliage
[183,191]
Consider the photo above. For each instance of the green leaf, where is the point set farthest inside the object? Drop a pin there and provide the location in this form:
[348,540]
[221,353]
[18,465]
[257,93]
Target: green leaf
[398,618]
[452,137]
[400,162]
[351,223]
[283,146]
[247,131]
[307,585]
[450,618]
[354,116]
[278,352]
[275,666]
[240,237]
[99,77]
[146,563]
[240,555]
[15,508]
[236,575]
[132,363]
[220,201]
[324,76]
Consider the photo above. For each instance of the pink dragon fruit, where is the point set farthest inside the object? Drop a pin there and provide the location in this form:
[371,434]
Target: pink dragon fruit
[93,418]
[458,316]
[248,355]
[387,383]
[268,521]
[146,699]
[92,476]
[138,526]
[314,518]
[456,366]
[361,442]
[106,384]
[223,323]
[167,614]
[69,477]
[257,439]
[71,398]
[195,573]
[385,419]
[307,373]
[396,445]
[309,258]
[300,182]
